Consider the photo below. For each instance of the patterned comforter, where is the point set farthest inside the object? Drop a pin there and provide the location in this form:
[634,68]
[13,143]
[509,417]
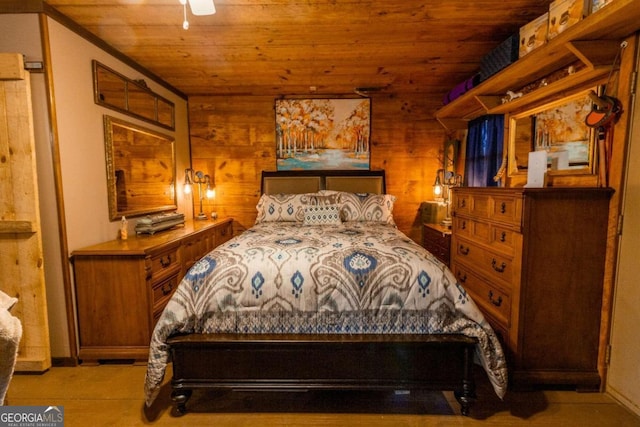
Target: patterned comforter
[358,277]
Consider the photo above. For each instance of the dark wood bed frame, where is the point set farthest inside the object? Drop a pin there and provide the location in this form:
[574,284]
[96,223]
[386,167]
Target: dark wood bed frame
[310,362]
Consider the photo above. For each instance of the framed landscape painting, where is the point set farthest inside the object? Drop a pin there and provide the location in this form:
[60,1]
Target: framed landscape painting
[314,134]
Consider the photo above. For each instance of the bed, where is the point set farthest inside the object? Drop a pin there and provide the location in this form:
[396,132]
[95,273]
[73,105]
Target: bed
[323,292]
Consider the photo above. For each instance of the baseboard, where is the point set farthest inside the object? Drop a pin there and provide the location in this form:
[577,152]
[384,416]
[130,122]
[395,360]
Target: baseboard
[61,362]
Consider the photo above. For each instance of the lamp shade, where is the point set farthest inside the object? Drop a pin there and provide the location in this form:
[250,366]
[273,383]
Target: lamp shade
[202,7]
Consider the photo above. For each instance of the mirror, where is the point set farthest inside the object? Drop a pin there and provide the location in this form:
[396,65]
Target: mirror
[141,170]
[132,97]
[558,128]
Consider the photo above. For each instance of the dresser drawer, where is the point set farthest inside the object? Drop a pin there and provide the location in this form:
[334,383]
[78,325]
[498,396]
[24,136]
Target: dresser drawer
[164,263]
[492,265]
[487,297]
[195,248]
[472,230]
[506,209]
[162,291]
[224,232]
[505,240]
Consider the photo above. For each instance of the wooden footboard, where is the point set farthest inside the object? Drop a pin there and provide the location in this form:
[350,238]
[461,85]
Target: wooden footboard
[300,362]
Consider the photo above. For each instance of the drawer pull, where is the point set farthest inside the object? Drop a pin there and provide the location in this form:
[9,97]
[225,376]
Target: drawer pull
[503,207]
[165,262]
[167,288]
[496,302]
[463,203]
[499,269]
[463,226]
[463,250]
[503,236]
[462,277]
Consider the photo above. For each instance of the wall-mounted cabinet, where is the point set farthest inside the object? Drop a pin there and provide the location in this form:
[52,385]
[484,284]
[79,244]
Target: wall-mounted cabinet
[591,43]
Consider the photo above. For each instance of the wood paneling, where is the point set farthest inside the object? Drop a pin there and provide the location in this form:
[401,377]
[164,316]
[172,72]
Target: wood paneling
[276,47]
[233,138]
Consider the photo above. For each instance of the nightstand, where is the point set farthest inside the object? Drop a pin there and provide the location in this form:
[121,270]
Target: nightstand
[436,239]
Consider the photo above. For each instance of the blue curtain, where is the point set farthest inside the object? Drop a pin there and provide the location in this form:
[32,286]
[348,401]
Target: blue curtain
[484,150]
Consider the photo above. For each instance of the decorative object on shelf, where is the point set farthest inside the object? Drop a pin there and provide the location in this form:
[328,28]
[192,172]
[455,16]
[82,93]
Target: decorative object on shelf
[461,89]
[511,95]
[505,54]
[598,4]
[313,134]
[200,178]
[565,13]
[534,34]
[152,223]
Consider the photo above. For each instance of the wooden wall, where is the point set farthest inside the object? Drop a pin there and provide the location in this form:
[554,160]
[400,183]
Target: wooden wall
[233,139]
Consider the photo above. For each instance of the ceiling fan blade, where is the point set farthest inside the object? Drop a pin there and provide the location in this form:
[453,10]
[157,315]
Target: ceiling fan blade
[202,7]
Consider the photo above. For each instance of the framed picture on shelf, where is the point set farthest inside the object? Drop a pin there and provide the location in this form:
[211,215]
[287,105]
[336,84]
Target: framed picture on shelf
[327,134]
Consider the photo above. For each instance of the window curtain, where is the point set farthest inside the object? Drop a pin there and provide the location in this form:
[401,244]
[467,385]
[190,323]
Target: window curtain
[485,140]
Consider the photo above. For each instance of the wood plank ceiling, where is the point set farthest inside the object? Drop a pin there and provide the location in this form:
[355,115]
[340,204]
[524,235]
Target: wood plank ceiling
[298,47]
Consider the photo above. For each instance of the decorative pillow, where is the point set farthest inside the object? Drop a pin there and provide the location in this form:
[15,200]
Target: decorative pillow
[323,199]
[367,207]
[322,215]
[290,207]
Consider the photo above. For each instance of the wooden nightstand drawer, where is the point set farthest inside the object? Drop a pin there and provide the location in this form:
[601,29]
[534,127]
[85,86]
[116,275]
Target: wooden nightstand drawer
[488,298]
[437,240]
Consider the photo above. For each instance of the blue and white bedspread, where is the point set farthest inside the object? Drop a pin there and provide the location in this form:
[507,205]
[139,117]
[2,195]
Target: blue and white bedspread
[354,278]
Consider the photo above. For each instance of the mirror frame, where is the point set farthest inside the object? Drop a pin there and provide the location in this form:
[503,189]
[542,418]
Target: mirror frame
[110,124]
[587,171]
[156,110]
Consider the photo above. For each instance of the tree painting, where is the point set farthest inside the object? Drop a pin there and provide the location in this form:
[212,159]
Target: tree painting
[323,133]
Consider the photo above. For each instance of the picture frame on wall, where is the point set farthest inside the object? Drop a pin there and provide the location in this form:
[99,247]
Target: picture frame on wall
[323,134]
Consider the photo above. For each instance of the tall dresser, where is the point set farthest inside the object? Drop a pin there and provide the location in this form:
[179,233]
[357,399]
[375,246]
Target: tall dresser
[122,286]
[533,261]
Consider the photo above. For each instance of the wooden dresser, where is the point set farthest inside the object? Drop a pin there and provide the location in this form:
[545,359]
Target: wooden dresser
[533,260]
[436,239]
[122,286]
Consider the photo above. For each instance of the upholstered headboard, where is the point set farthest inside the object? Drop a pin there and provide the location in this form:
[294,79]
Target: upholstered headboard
[296,182]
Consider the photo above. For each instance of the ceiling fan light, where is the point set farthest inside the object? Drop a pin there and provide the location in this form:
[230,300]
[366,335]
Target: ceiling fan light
[202,7]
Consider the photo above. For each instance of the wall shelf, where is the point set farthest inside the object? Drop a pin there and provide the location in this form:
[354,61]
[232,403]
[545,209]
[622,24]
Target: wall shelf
[594,41]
